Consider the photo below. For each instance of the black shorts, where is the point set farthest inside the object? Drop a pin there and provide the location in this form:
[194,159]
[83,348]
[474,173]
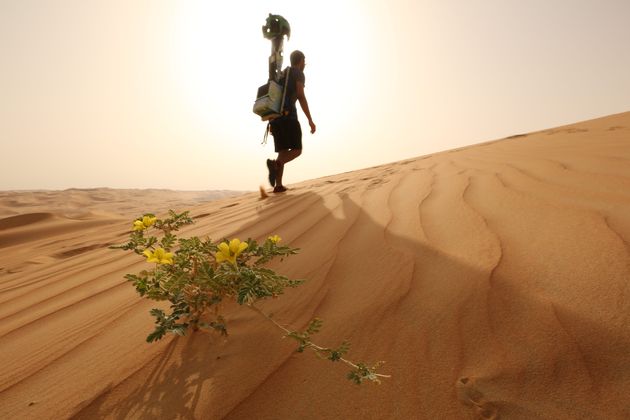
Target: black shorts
[287,134]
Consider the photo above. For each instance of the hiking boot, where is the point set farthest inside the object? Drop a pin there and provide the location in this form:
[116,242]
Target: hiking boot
[271,167]
[280,189]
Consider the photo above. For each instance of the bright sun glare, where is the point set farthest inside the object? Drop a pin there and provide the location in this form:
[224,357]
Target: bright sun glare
[219,53]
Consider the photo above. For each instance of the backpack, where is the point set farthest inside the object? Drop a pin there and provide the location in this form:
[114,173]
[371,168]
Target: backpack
[271,97]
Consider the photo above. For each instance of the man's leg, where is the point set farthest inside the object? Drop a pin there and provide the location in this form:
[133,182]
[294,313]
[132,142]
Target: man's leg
[288,155]
[284,156]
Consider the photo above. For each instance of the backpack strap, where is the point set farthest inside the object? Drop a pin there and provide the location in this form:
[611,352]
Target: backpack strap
[284,91]
[264,141]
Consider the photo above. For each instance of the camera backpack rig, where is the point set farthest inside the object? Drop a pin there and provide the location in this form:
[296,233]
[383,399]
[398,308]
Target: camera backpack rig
[270,98]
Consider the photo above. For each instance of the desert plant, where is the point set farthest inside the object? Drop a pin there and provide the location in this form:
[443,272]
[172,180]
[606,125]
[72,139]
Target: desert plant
[196,275]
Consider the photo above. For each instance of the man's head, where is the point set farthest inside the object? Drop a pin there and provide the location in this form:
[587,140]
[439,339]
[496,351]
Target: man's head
[298,59]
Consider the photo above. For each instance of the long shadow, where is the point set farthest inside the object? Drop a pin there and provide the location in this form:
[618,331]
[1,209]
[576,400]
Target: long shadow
[473,340]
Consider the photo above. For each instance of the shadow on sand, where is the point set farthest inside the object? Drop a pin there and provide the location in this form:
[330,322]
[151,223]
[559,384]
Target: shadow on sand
[465,350]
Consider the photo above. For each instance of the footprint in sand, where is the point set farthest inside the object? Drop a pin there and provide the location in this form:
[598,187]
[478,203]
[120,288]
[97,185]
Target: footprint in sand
[469,395]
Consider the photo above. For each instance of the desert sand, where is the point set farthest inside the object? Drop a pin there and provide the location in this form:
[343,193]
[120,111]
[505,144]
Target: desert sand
[75,203]
[494,280]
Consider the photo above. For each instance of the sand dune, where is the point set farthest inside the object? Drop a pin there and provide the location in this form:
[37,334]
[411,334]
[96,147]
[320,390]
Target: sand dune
[493,279]
[80,203]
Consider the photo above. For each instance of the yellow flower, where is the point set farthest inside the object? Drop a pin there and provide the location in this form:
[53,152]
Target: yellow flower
[275,239]
[229,252]
[159,256]
[146,222]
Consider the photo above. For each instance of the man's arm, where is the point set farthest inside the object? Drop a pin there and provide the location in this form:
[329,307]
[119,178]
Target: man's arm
[304,104]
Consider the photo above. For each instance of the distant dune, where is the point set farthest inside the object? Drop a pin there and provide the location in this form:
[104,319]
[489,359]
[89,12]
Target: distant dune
[118,202]
[494,280]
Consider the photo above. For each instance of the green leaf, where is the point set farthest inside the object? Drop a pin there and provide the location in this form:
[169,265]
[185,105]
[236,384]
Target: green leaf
[156,335]
[363,373]
[314,326]
[336,354]
[167,241]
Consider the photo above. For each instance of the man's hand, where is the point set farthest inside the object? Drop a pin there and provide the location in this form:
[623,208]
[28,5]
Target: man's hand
[313,127]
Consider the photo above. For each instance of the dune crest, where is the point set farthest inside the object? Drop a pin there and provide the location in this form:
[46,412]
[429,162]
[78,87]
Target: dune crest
[492,279]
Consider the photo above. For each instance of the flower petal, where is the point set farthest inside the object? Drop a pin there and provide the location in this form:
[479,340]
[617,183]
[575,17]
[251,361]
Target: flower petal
[224,248]
[234,245]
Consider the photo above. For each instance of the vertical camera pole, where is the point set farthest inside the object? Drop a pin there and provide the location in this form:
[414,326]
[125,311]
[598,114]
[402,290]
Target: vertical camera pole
[275,29]
[270,97]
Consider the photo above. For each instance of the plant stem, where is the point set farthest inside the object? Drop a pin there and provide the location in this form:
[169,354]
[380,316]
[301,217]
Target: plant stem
[308,343]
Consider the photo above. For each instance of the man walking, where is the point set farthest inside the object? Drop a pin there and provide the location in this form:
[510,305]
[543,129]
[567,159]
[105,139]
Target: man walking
[286,130]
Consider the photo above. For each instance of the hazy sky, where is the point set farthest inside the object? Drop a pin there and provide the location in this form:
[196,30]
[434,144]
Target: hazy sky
[159,94]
